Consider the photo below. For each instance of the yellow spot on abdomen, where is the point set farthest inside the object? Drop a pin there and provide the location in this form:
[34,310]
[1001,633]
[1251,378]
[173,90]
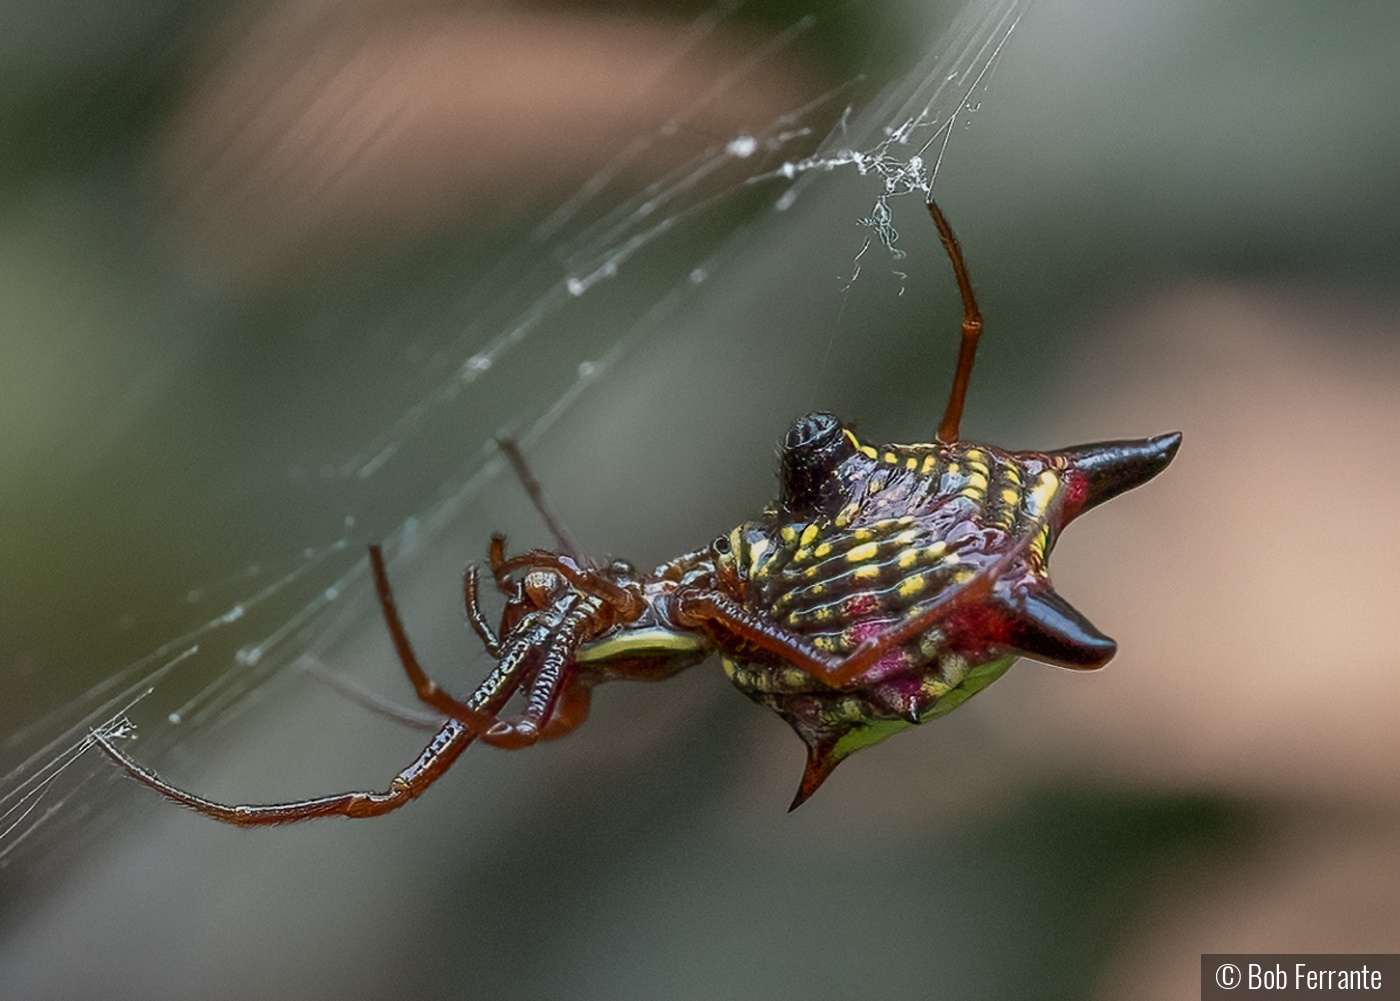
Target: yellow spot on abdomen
[791,677]
[1041,543]
[861,553]
[1046,486]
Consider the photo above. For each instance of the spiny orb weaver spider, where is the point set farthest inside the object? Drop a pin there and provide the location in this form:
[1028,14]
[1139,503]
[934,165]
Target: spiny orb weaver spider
[882,589]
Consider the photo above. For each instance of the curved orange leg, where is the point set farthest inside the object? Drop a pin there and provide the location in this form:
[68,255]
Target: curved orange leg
[445,747]
[971,329]
[551,676]
[426,688]
[477,620]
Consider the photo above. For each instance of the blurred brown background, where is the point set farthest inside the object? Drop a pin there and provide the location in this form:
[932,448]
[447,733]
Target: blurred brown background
[240,244]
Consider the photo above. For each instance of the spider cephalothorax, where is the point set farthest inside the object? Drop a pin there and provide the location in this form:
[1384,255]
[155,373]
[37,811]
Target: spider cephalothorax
[883,588]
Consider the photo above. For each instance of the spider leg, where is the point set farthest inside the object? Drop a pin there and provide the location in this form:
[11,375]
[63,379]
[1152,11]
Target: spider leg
[410,783]
[590,582]
[451,739]
[426,688]
[971,328]
[559,641]
[496,559]
[551,678]
[480,626]
[696,609]
[535,492]
[587,580]
[870,650]
[363,696]
[571,709]
[979,585]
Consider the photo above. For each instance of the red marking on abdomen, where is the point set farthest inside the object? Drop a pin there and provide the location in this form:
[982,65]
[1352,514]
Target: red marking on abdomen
[860,604]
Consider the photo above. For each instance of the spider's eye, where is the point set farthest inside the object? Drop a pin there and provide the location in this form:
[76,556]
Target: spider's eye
[721,544]
[814,448]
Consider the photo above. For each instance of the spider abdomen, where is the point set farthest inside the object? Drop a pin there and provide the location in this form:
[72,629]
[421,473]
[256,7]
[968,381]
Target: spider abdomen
[895,538]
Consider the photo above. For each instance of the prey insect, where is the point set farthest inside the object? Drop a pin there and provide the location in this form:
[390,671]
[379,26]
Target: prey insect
[884,587]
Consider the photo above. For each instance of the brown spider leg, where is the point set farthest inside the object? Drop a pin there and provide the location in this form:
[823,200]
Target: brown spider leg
[482,628]
[535,492]
[971,329]
[437,757]
[551,676]
[870,650]
[374,702]
[700,608]
[495,559]
[410,783]
[426,688]
[588,581]
[515,666]
[507,675]
[549,680]
[571,709]
[445,747]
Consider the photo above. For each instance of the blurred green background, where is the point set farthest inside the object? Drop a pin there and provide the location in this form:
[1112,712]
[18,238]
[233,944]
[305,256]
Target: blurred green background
[244,250]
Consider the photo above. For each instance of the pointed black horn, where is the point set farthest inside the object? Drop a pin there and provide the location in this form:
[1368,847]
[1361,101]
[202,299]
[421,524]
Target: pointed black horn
[1114,467]
[1046,627]
[821,761]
